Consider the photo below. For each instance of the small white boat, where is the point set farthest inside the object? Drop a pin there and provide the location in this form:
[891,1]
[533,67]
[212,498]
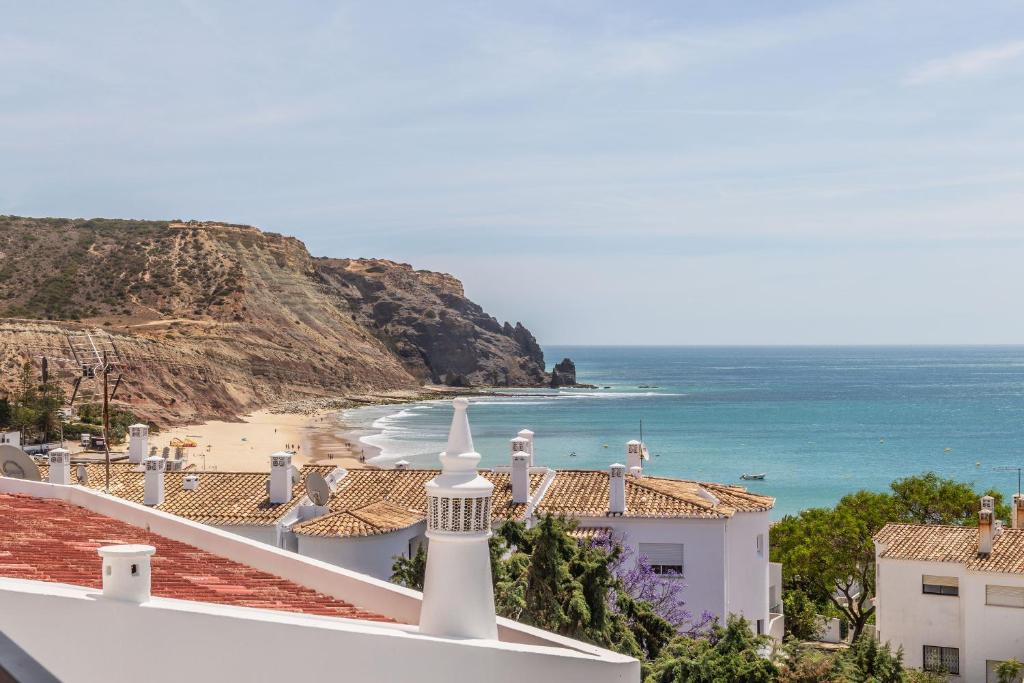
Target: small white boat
[749,477]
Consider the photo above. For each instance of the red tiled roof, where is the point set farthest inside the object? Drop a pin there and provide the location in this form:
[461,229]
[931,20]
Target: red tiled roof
[50,540]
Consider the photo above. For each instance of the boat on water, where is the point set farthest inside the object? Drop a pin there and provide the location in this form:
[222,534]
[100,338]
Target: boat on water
[753,477]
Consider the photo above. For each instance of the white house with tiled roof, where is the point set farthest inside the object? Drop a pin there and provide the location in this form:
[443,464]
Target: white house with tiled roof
[94,587]
[951,596]
[714,536]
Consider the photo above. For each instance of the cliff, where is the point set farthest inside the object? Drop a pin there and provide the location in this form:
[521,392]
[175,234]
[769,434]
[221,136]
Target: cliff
[214,320]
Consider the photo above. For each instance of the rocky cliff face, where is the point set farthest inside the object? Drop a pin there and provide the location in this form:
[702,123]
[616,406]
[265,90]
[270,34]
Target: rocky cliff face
[427,321]
[215,320]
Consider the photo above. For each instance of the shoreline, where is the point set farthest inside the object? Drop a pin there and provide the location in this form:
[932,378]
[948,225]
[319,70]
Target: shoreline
[312,428]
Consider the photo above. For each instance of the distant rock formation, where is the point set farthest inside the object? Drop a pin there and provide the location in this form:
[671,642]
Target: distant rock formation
[563,374]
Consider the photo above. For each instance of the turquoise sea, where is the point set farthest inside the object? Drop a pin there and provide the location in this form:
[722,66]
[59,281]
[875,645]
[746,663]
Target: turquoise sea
[819,421]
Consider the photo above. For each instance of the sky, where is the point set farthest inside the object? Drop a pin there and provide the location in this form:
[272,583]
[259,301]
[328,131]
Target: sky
[604,172]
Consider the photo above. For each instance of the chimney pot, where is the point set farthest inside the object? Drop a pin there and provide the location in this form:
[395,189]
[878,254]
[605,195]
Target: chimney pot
[60,466]
[617,489]
[190,482]
[280,477]
[126,572]
[520,477]
[138,443]
[987,530]
[402,465]
[528,435]
[636,472]
[154,492]
[634,454]
[1017,511]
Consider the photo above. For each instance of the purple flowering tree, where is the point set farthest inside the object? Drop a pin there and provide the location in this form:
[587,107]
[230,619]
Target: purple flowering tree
[663,591]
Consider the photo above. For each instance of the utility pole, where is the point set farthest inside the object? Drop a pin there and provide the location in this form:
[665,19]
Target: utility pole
[106,422]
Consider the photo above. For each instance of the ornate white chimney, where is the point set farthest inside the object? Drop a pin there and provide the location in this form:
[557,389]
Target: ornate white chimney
[60,466]
[986,525]
[154,493]
[520,477]
[1017,512]
[280,477]
[458,599]
[617,489]
[126,572]
[634,454]
[138,443]
[528,435]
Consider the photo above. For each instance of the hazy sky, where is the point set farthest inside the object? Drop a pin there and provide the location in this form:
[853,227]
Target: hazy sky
[620,172]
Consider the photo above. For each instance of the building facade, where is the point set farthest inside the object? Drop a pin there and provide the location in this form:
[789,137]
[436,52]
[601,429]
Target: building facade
[953,597]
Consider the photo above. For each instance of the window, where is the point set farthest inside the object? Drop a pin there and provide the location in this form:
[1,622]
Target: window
[664,558]
[760,545]
[942,659]
[760,627]
[940,585]
[1004,596]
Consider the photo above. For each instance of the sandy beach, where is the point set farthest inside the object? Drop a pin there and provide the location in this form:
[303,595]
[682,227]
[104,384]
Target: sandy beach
[247,445]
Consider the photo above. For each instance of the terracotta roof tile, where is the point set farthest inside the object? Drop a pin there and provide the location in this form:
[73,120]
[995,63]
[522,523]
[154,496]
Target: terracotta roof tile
[939,543]
[585,493]
[50,540]
[222,498]
[381,517]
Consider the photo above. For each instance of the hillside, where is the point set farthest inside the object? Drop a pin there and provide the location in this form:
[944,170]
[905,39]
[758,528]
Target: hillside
[221,319]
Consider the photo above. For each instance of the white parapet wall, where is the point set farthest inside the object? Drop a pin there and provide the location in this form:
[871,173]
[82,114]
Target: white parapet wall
[209,642]
[374,595]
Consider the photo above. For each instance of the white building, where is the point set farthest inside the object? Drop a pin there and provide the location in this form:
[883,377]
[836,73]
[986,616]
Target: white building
[97,588]
[713,536]
[953,597]
[12,438]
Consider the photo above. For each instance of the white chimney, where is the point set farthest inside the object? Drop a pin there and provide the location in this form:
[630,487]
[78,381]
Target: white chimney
[126,572]
[616,489]
[520,444]
[280,477]
[82,474]
[520,477]
[190,482]
[528,435]
[1017,512]
[60,466]
[138,443]
[636,472]
[458,598]
[402,465]
[986,525]
[634,454]
[154,494]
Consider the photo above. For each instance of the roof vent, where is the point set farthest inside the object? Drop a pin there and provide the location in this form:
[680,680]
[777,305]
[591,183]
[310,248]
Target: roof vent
[190,482]
[402,465]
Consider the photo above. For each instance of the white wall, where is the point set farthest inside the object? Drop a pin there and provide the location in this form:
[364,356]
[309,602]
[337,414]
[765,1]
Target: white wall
[990,632]
[704,553]
[747,585]
[81,636]
[373,555]
[262,533]
[909,618]
[12,438]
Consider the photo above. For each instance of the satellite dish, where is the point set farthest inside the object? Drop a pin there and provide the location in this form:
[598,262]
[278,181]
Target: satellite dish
[82,474]
[16,464]
[317,488]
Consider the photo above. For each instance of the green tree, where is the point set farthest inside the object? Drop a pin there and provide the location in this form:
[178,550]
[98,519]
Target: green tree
[5,412]
[730,655]
[1009,671]
[930,499]
[802,615]
[868,661]
[830,555]
[409,571]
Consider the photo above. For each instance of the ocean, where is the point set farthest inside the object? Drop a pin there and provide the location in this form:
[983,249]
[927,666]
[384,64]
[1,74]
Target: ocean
[818,421]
